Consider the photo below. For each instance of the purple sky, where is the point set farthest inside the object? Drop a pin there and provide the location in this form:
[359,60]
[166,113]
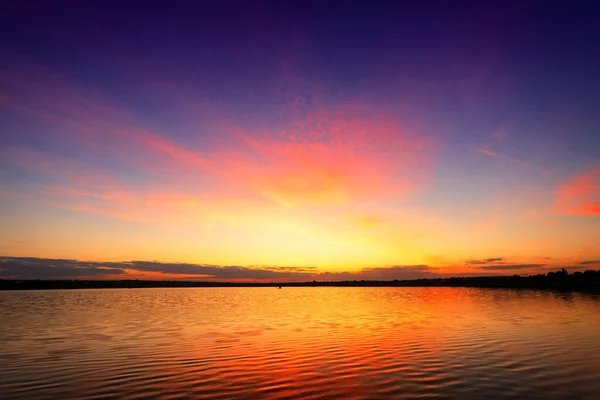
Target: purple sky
[319,137]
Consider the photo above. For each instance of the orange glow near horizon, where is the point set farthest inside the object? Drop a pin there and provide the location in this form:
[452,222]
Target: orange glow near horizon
[338,186]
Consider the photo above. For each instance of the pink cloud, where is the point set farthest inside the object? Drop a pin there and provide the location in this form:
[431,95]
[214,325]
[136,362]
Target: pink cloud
[325,153]
[580,195]
[128,205]
[331,157]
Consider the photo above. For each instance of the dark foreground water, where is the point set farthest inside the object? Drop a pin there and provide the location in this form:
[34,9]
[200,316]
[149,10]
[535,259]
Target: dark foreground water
[455,343]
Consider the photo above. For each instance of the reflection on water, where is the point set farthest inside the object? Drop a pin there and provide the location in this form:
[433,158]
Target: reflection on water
[299,343]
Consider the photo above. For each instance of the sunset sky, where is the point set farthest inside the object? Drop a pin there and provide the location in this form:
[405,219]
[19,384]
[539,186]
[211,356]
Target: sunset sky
[267,141]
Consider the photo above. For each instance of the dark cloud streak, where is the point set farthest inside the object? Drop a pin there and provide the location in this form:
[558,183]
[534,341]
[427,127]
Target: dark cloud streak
[509,267]
[42,268]
[485,261]
[45,268]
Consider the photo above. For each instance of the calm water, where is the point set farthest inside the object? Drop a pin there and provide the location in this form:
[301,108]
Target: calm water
[454,343]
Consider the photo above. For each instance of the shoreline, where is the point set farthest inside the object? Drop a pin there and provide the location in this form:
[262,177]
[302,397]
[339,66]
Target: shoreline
[588,281]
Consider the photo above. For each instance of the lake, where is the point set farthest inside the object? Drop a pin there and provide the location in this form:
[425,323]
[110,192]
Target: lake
[299,343]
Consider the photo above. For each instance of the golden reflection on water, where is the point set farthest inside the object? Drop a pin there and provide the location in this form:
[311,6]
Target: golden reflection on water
[299,343]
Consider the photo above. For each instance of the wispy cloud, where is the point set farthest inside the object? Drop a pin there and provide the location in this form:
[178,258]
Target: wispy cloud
[496,155]
[590,262]
[511,159]
[484,261]
[41,268]
[322,153]
[580,195]
[46,268]
[507,267]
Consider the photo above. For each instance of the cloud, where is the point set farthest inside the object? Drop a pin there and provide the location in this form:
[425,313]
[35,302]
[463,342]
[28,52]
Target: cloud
[325,154]
[589,262]
[580,195]
[503,157]
[221,272]
[42,268]
[47,268]
[496,155]
[320,152]
[484,261]
[509,267]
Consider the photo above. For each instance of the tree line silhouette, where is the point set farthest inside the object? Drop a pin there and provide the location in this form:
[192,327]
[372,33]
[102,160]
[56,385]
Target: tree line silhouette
[588,281]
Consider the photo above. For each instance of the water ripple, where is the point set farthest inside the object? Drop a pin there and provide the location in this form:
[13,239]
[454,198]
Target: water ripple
[360,343]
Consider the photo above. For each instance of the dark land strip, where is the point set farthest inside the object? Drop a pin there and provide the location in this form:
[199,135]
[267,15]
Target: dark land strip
[588,281]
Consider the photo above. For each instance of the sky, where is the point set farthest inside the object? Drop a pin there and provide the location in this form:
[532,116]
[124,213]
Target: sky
[292,141]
